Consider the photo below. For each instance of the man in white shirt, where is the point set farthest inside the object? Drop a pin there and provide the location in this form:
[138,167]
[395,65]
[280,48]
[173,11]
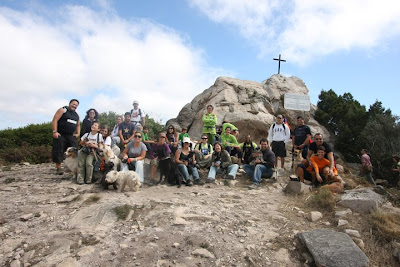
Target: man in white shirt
[137,115]
[279,135]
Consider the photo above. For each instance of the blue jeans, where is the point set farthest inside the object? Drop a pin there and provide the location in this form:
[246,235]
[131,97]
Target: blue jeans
[188,170]
[256,172]
[232,169]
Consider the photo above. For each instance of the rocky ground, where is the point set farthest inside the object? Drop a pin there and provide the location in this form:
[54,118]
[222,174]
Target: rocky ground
[48,220]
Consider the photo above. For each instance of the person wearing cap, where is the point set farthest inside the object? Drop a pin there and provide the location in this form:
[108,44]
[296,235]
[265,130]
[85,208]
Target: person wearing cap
[278,136]
[137,115]
[186,161]
[126,130]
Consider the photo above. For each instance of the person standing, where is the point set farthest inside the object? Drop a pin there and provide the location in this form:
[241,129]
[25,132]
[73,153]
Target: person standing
[279,135]
[301,137]
[366,166]
[91,117]
[65,123]
[209,123]
[137,115]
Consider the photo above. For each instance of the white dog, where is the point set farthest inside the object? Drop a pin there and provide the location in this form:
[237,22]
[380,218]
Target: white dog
[129,178]
[109,156]
[71,160]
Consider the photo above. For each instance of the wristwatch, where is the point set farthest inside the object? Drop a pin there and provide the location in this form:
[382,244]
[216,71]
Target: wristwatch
[54,131]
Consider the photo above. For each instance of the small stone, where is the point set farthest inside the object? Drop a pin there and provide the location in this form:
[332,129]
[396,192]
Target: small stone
[26,217]
[352,233]
[15,263]
[301,213]
[123,246]
[314,216]
[343,213]
[359,242]
[241,240]
[2,220]
[204,253]
[342,222]
[175,245]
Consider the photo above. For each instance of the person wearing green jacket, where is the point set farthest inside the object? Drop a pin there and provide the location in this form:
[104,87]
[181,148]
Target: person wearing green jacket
[209,123]
[230,143]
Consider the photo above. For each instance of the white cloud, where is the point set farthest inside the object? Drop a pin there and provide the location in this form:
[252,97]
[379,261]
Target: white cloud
[303,29]
[97,57]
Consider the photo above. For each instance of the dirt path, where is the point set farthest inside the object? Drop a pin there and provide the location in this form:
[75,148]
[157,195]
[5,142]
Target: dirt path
[51,221]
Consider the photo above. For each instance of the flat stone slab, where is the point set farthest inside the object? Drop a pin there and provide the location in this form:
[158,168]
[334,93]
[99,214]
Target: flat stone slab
[331,248]
[361,200]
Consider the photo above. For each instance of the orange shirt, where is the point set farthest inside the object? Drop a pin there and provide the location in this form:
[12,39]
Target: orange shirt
[319,164]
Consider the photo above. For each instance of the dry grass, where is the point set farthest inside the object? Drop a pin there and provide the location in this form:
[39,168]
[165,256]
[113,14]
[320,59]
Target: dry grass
[122,212]
[92,199]
[387,225]
[323,199]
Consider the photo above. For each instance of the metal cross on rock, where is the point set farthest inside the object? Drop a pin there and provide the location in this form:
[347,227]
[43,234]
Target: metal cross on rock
[279,64]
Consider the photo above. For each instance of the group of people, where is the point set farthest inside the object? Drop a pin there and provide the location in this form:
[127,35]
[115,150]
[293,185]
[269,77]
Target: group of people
[218,150]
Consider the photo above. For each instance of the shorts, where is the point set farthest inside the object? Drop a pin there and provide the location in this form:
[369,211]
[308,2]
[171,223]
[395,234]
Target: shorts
[60,145]
[154,162]
[279,148]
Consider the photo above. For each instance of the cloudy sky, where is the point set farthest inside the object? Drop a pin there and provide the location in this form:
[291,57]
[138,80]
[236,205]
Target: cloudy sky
[163,53]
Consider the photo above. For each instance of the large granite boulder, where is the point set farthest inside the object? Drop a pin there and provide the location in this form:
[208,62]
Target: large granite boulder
[331,248]
[251,106]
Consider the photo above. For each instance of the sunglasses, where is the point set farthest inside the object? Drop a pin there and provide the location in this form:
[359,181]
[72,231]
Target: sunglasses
[161,137]
[137,136]
[204,138]
[318,139]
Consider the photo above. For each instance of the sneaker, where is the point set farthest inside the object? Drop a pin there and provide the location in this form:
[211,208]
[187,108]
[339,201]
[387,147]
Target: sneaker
[254,186]
[59,171]
[198,182]
[189,183]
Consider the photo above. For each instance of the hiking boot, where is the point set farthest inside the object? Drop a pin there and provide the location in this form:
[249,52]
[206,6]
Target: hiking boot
[210,180]
[198,182]
[254,186]
[230,177]
[189,183]
[59,171]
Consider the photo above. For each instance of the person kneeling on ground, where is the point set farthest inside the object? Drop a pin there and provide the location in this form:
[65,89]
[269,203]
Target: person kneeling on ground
[319,172]
[90,143]
[220,162]
[264,162]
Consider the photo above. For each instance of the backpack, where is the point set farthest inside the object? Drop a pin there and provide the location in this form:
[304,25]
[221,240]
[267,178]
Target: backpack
[284,127]
[140,112]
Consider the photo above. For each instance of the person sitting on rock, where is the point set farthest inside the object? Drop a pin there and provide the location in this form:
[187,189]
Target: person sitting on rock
[263,166]
[172,138]
[248,147]
[186,161]
[126,130]
[317,172]
[203,151]
[133,156]
[221,162]
[230,143]
[183,134]
[115,131]
[234,129]
[319,141]
[159,151]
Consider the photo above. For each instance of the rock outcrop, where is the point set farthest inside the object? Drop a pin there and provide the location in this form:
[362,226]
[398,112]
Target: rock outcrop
[249,105]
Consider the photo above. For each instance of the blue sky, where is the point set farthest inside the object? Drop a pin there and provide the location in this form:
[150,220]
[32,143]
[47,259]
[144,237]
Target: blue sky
[164,53]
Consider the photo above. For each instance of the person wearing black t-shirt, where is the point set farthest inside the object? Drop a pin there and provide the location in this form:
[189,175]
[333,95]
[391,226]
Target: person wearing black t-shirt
[319,141]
